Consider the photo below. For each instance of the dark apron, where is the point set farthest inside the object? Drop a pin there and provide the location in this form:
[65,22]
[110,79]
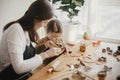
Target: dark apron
[9,74]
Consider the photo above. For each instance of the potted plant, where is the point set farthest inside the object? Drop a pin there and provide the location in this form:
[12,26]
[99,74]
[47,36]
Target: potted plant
[72,7]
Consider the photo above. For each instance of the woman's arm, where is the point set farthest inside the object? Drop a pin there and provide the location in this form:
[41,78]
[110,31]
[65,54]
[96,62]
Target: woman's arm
[16,43]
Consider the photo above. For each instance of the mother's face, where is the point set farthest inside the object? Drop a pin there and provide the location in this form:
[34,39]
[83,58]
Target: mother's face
[38,24]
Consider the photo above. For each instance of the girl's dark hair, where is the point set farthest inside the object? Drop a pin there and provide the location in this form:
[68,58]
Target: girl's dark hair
[40,10]
[54,25]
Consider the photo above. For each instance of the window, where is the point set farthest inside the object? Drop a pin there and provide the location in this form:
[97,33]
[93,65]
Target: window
[100,18]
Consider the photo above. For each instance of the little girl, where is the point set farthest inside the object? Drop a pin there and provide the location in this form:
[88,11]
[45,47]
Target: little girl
[54,33]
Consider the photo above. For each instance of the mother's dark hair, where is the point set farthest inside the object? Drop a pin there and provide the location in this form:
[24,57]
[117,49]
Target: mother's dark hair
[40,10]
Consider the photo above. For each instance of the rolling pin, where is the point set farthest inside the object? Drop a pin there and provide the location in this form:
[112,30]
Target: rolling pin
[53,66]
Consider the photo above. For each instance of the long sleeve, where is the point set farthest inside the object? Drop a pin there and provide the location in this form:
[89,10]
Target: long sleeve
[16,42]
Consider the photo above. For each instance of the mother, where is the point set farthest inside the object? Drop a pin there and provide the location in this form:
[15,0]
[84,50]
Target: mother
[16,48]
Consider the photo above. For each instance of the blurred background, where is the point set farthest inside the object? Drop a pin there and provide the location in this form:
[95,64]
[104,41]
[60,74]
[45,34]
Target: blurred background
[99,18]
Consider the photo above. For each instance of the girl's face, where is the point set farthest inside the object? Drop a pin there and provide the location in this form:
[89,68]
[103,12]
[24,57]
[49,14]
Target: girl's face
[53,36]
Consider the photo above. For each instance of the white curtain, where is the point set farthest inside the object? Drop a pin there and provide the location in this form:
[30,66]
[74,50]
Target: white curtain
[101,18]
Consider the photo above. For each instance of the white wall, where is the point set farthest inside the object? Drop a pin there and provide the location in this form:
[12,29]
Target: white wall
[11,10]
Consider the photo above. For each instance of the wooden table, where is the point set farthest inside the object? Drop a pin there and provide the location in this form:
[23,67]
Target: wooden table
[93,52]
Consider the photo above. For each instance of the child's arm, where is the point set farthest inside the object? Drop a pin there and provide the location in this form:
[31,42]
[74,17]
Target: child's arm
[66,46]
